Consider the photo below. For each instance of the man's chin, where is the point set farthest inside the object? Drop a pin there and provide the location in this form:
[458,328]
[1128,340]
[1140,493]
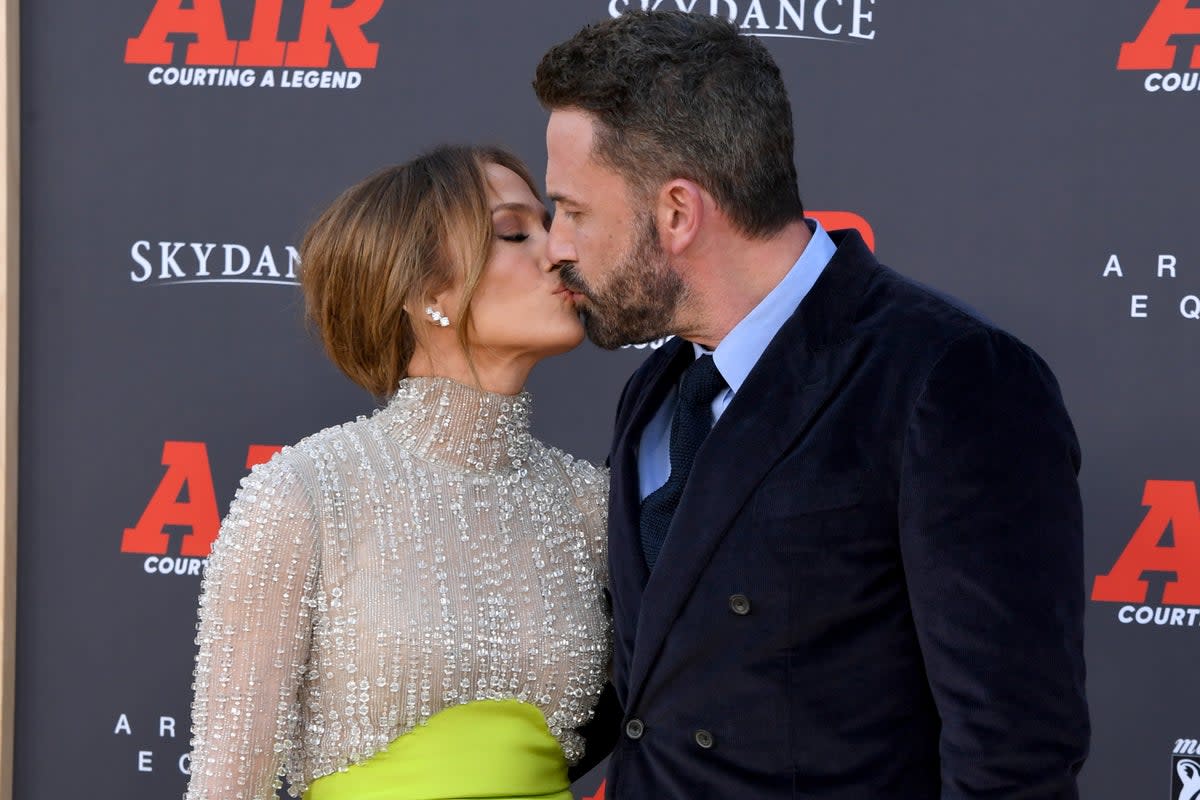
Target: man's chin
[606,338]
[597,333]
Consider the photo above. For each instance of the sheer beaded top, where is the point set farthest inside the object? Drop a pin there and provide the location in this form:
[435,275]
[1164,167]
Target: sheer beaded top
[378,572]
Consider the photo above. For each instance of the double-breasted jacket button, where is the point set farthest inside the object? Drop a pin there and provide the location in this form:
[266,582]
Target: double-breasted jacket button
[634,728]
[739,604]
[704,739]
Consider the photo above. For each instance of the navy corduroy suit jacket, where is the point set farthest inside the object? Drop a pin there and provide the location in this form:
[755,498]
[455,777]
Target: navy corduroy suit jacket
[872,588]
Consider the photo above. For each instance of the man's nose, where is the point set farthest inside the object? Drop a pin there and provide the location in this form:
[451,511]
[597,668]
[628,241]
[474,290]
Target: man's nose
[559,247]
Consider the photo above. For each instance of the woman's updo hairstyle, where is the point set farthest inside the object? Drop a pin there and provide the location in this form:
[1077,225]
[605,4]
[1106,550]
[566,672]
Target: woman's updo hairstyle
[386,246]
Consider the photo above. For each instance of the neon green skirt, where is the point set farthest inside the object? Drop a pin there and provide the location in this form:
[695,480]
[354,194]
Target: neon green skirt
[493,749]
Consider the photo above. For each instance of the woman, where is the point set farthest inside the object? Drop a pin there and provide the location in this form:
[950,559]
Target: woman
[409,606]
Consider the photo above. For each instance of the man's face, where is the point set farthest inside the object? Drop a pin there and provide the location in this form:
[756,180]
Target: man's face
[608,250]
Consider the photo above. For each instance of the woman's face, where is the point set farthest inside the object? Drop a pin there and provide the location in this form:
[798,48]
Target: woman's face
[520,307]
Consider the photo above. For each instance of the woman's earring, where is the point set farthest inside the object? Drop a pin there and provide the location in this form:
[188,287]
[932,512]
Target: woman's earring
[438,317]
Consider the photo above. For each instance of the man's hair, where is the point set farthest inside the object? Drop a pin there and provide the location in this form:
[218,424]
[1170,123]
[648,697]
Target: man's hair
[677,95]
[379,253]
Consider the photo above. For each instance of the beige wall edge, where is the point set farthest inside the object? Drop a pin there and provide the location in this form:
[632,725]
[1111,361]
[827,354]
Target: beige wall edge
[10,230]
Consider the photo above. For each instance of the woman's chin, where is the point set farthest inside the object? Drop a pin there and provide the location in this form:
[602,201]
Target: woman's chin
[578,333]
[569,344]
[567,339]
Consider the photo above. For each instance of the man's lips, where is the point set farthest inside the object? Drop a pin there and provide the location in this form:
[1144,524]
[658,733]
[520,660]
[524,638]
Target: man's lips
[573,296]
[567,276]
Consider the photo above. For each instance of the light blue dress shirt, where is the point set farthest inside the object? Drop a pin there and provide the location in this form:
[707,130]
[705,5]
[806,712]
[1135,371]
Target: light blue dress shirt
[736,355]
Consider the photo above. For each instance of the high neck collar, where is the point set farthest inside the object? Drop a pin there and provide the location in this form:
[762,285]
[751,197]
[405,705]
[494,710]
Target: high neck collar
[448,422]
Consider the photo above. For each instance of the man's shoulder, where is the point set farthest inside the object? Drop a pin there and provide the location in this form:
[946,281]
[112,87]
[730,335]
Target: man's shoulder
[934,332]
[896,323]
[857,295]
[903,299]
[900,312]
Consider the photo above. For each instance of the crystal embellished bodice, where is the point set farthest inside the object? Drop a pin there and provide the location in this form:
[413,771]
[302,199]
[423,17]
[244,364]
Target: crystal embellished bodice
[381,571]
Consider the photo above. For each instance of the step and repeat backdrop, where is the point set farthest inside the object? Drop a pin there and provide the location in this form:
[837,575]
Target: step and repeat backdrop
[1034,159]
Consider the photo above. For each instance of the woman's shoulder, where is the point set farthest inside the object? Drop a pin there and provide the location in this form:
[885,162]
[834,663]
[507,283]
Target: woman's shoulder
[334,442]
[304,463]
[584,476]
[588,486]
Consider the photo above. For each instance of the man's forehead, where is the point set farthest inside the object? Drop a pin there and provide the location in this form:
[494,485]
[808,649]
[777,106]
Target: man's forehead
[568,141]
[570,125]
[570,168]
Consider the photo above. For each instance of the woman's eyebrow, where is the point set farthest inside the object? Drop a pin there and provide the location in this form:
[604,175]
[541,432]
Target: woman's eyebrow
[523,207]
[538,212]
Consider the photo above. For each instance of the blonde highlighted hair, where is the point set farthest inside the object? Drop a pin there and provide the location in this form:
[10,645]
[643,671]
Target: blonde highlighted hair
[386,246]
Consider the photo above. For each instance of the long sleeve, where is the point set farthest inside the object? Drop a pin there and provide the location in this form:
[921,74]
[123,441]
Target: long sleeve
[991,536]
[255,627]
[589,484]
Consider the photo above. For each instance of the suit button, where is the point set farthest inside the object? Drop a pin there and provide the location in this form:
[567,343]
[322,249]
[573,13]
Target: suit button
[634,728]
[739,604]
[704,739]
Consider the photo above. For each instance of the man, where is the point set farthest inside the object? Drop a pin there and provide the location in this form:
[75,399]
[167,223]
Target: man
[845,531]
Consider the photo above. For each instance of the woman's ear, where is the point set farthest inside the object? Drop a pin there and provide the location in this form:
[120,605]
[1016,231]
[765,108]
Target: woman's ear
[441,309]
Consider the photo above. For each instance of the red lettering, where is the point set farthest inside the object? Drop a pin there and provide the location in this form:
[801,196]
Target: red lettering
[260,454]
[187,466]
[599,795]
[321,20]
[204,19]
[1150,50]
[1171,503]
[263,48]
[836,220]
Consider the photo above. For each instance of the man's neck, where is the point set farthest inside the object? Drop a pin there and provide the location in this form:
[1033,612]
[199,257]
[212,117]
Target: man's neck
[733,278]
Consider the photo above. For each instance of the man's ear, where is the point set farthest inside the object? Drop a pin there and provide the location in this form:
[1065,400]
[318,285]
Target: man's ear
[681,212]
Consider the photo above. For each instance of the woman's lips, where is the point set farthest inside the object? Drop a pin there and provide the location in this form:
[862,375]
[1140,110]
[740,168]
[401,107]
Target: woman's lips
[563,291]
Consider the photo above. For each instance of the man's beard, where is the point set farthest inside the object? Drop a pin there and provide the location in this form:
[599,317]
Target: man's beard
[640,300]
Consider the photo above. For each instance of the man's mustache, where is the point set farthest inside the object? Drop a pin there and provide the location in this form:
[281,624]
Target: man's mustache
[569,274]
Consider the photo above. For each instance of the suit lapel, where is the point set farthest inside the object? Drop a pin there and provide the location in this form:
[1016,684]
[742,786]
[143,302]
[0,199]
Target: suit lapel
[628,571]
[783,394]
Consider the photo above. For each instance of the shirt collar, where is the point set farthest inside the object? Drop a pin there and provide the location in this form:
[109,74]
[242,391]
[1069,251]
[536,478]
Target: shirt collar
[741,348]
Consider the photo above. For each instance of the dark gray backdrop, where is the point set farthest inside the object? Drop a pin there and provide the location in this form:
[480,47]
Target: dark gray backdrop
[994,148]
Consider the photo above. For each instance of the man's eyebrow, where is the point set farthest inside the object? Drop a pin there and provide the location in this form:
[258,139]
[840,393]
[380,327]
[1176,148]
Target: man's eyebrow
[562,198]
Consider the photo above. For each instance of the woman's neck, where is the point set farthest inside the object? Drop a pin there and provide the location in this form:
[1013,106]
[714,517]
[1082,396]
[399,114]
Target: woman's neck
[488,372]
[458,425]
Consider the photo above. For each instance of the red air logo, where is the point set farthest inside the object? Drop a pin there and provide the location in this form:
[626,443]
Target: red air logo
[836,220]
[185,498]
[1164,550]
[1153,51]
[214,58]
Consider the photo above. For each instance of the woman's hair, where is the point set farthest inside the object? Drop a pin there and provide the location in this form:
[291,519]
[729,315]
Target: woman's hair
[389,244]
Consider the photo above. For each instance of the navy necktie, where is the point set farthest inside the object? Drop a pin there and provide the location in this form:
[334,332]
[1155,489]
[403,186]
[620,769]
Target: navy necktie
[692,421]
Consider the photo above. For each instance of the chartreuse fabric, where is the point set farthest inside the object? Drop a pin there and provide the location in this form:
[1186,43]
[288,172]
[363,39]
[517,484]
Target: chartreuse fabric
[493,749]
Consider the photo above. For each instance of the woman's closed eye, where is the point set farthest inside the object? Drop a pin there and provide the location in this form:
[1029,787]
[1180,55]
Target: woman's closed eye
[513,237]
